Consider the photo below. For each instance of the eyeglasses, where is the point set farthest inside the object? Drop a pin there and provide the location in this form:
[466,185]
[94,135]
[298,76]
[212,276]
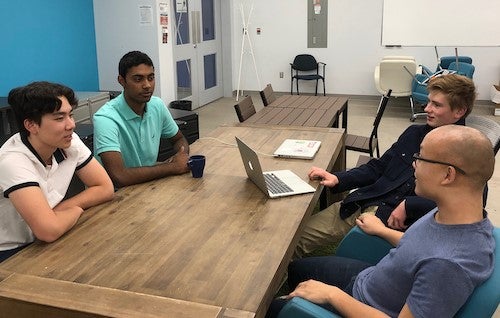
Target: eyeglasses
[416,156]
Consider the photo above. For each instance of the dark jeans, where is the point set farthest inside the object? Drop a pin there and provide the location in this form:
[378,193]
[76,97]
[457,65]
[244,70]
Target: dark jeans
[6,254]
[332,270]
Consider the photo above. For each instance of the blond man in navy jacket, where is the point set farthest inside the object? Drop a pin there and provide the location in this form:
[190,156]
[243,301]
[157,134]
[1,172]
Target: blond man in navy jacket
[386,186]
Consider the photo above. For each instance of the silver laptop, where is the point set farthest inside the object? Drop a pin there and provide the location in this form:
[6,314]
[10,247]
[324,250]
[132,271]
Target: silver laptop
[275,184]
[298,149]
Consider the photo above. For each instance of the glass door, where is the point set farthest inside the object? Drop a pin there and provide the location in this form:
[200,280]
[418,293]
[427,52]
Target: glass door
[197,51]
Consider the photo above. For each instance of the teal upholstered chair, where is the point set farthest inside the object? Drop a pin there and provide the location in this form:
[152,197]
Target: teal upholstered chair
[462,68]
[445,61]
[419,91]
[300,308]
[419,95]
[482,303]
[444,64]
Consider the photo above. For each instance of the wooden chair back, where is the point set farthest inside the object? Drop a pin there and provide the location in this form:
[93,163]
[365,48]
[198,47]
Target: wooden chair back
[369,144]
[267,95]
[245,108]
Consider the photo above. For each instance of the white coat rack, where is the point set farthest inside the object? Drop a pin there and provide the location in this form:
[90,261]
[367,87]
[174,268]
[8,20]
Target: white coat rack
[246,39]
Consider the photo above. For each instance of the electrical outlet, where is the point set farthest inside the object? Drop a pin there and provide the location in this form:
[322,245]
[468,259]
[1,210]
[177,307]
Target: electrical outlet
[281,74]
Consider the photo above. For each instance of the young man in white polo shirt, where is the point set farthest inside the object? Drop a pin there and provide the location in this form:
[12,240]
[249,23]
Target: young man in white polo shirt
[37,165]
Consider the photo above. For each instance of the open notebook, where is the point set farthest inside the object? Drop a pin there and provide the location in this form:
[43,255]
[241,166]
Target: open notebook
[297,148]
[274,184]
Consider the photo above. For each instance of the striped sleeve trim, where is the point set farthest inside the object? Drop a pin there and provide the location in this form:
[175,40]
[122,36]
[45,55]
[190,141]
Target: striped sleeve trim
[19,186]
[83,164]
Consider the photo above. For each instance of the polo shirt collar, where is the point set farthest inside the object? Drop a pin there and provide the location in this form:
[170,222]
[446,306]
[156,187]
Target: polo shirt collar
[126,110]
[59,154]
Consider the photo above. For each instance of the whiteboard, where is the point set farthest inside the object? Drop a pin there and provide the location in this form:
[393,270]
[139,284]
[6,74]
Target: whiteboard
[441,23]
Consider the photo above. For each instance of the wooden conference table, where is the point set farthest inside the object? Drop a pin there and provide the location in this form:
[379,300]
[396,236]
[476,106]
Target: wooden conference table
[178,246]
[303,110]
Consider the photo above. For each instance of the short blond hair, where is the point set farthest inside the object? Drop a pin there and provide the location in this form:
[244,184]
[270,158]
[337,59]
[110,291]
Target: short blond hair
[459,90]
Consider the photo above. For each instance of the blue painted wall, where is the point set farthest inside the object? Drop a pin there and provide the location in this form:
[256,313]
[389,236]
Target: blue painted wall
[51,40]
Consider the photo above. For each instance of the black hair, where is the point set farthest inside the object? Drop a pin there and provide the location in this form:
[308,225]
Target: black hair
[37,99]
[131,59]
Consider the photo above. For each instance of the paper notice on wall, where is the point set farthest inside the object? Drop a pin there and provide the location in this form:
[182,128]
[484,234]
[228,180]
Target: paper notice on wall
[181,6]
[145,15]
[317,6]
[164,35]
[163,8]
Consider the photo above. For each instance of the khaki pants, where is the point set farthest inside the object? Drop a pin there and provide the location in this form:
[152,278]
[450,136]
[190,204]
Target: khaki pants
[327,227]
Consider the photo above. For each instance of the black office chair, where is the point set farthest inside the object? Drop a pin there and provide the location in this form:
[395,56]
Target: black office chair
[245,108]
[309,71]
[369,144]
[86,133]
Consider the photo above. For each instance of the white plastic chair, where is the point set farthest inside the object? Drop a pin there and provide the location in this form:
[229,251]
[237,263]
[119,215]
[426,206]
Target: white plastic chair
[397,73]
[391,74]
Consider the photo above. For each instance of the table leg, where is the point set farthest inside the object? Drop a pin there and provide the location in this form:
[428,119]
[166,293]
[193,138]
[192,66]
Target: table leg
[344,116]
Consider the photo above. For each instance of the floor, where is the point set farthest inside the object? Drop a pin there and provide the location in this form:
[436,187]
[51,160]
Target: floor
[362,111]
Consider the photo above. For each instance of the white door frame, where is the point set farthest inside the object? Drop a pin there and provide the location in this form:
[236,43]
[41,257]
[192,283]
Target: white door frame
[195,51]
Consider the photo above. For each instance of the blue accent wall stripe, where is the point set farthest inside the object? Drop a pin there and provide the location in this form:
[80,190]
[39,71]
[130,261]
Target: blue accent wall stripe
[50,40]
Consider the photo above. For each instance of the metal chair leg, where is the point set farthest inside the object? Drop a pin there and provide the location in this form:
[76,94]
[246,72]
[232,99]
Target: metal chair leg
[414,114]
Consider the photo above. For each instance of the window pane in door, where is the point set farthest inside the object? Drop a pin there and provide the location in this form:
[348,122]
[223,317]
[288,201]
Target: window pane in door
[184,88]
[181,22]
[209,68]
[207,17]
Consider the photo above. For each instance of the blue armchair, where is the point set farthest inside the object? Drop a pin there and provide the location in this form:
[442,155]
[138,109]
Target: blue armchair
[482,303]
[462,68]
[419,91]
[445,61]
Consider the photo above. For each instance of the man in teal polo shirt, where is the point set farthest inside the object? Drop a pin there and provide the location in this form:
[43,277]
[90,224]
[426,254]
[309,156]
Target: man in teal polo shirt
[128,128]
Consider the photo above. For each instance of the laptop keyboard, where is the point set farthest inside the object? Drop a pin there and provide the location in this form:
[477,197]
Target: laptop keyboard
[275,185]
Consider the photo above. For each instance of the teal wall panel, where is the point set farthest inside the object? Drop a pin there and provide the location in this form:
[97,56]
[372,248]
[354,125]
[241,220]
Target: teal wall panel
[48,40]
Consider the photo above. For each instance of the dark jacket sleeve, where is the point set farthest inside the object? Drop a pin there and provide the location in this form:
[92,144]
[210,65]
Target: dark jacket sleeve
[372,171]
[361,176]
[416,207]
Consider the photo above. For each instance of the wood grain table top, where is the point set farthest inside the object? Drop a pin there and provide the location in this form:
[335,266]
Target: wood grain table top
[303,110]
[216,241]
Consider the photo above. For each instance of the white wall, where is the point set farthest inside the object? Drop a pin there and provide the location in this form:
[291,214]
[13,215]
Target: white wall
[402,23]
[118,31]
[354,47]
